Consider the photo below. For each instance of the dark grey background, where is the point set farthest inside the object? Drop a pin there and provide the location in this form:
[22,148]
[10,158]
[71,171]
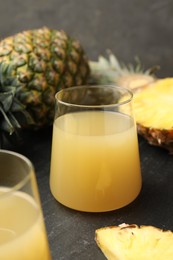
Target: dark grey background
[127,27]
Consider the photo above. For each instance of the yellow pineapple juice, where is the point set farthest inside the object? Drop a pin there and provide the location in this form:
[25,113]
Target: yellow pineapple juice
[95,161]
[21,240]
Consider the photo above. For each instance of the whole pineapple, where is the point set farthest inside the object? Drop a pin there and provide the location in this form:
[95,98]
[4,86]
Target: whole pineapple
[34,65]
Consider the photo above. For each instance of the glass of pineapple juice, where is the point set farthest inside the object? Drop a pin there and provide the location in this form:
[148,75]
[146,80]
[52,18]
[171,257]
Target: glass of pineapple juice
[95,164]
[22,229]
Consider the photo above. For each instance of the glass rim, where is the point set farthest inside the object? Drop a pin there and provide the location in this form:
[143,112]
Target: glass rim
[25,179]
[128,100]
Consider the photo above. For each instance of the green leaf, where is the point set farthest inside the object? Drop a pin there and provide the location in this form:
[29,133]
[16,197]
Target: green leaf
[6,124]
[5,71]
[6,98]
[17,106]
[14,121]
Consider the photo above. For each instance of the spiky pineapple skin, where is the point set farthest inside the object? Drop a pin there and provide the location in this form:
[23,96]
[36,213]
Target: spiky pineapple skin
[158,137]
[44,61]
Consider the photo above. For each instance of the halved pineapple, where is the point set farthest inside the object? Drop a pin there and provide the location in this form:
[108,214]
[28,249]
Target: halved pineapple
[132,242]
[153,108]
[153,97]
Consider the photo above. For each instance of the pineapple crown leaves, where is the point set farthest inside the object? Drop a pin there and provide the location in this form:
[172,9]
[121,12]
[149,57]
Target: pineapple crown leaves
[109,70]
[10,106]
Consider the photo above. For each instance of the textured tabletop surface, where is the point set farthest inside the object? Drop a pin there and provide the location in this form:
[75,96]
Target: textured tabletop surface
[129,28]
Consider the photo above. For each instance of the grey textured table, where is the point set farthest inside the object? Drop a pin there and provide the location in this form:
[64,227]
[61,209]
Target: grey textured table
[128,28]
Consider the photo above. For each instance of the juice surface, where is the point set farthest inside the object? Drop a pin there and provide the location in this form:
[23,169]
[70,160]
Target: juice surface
[95,161]
[22,232]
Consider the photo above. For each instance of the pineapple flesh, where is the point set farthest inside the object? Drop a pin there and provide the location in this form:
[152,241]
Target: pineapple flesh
[153,106]
[34,65]
[132,242]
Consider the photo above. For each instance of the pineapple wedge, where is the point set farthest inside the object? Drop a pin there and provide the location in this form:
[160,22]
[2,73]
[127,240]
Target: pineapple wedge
[131,242]
[153,108]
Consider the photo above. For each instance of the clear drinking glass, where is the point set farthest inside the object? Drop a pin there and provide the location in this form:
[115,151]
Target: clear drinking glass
[22,229]
[95,163]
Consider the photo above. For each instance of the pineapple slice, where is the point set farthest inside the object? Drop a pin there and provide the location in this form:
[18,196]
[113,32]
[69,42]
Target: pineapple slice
[153,108]
[131,242]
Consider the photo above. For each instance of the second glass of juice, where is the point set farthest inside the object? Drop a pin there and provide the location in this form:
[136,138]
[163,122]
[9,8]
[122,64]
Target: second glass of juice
[95,165]
[22,228]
